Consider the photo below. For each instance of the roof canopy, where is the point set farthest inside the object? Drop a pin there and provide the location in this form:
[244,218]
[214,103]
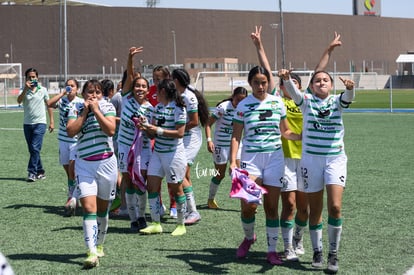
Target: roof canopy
[42,2]
[405,58]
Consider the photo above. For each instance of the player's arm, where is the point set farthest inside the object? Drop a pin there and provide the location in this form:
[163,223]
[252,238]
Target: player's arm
[323,62]
[207,130]
[130,68]
[235,143]
[261,54]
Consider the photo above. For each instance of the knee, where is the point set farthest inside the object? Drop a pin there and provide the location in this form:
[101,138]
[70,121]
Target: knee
[334,211]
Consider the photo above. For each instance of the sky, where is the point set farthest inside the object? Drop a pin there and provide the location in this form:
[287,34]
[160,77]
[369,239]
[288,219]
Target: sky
[389,8]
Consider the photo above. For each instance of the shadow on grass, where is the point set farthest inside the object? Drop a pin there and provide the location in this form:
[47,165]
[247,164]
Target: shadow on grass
[211,261]
[60,258]
[49,209]
[205,207]
[16,179]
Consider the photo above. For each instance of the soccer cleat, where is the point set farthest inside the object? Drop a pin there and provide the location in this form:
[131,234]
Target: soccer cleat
[134,227]
[173,212]
[31,178]
[244,247]
[333,262]
[273,258]
[290,255]
[153,228]
[192,218]
[179,230]
[41,176]
[142,223]
[212,204]
[317,261]
[91,260]
[100,251]
[298,246]
[70,207]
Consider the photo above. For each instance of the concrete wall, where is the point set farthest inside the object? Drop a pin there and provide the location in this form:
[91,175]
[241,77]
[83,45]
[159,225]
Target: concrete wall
[97,35]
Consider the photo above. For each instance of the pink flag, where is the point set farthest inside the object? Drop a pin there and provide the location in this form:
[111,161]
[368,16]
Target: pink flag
[242,187]
[134,162]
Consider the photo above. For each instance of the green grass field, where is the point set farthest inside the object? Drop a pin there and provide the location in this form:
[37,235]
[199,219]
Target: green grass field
[377,230]
[363,98]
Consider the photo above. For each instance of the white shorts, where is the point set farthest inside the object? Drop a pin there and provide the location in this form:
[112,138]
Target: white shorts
[270,167]
[170,165]
[67,152]
[96,178]
[123,151]
[192,145]
[318,171]
[221,154]
[292,175]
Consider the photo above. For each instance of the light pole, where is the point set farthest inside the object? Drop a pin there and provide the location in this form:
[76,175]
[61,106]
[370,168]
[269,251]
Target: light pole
[274,26]
[7,56]
[115,60]
[175,49]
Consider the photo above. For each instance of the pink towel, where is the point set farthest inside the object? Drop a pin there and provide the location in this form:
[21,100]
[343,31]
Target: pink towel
[242,187]
[134,161]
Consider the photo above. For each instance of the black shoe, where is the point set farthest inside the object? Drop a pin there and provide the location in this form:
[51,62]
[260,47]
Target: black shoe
[134,227]
[142,223]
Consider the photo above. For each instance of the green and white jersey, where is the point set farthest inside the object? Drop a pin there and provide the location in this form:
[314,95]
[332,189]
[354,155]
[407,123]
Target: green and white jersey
[64,106]
[191,105]
[261,121]
[167,117]
[131,108]
[323,130]
[92,141]
[223,113]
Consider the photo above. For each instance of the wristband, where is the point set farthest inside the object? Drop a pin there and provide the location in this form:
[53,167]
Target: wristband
[160,131]
[209,139]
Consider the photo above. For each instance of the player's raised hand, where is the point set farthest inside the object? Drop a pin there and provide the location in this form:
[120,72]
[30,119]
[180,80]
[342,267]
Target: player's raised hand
[135,50]
[349,84]
[284,73]
[255,36]
[335,42]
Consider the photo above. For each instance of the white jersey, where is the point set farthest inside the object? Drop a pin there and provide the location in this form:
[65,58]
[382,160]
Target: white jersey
[223,113]
[92,141]
[261,121]
[323,128]
[131,108]
[167,117]
[64,106]
[191,105]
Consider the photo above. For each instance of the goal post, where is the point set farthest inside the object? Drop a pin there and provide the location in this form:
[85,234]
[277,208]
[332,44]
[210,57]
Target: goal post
[10,83]
[227,81]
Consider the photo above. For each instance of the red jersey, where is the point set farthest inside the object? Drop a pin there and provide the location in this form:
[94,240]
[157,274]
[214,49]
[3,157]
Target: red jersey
[152,95]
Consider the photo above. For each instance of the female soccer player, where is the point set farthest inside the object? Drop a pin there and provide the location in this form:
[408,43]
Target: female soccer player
[220,148]
[169,157]
[67,145]
[324,161]
[134,105]
[262,117]
[95,165]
